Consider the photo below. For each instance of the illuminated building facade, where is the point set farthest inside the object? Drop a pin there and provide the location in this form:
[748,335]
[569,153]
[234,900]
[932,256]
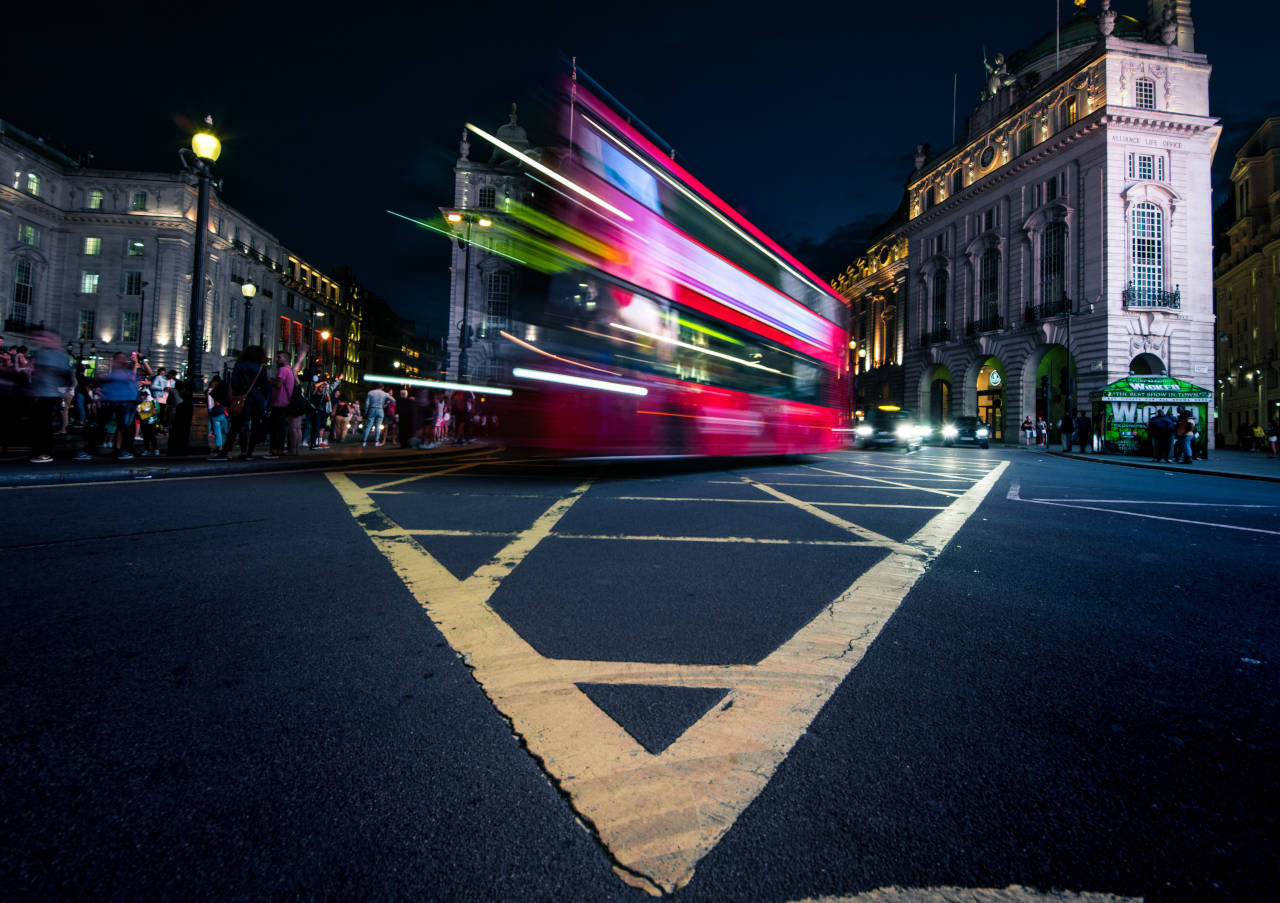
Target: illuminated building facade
[104,258]
[1247,288]
[1065,241]
[482,190]
[875,285]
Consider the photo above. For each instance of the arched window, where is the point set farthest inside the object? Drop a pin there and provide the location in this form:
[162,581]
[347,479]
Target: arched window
[1147,257]
[940,301]
[989,286]
[1053,264]
[23,286]
[498,302]
[487,196]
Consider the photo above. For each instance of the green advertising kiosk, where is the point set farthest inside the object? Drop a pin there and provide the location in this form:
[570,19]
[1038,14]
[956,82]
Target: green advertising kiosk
[1122,409]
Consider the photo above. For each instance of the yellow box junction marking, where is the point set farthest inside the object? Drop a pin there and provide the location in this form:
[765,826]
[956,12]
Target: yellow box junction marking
[659,814]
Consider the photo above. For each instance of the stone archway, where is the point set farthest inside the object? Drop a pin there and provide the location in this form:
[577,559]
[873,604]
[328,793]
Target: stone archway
[935,394]
[1146,364]
[1056,385]
[989,386]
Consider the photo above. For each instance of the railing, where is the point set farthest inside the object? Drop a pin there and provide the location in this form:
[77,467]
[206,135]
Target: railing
[1152,297]
[1049,309]
[936,337]
[986,324]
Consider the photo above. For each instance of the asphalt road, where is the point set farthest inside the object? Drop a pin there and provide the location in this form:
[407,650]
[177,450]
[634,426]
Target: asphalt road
[484,678]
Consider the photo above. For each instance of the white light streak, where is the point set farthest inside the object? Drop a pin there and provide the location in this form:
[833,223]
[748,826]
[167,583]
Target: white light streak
[584,382]
[435,384]
[529,161]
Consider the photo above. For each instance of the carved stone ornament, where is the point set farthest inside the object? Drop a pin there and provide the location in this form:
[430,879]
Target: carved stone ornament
[1149,344]
[1106,19]
[464,146]
[1168,26]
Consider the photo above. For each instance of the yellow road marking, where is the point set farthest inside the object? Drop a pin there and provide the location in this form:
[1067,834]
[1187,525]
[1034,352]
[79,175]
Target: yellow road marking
[894,483]
[658,814]
[657,498]
[835,520]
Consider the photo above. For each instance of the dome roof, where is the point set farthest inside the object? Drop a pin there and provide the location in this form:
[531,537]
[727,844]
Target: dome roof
[1082,29]
[513,133]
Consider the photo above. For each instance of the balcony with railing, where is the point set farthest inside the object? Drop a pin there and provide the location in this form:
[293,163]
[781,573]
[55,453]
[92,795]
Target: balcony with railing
[1147,298]
[935,337]
[1037,312]
[985,324]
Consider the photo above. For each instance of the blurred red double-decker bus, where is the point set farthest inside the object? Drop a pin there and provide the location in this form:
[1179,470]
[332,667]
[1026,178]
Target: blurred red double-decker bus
[657,321]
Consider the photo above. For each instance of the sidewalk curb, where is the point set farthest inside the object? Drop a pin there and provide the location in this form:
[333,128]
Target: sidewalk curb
[1174,468]
[66,473]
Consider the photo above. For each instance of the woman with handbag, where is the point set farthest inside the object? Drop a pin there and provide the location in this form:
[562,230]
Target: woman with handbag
[246,403]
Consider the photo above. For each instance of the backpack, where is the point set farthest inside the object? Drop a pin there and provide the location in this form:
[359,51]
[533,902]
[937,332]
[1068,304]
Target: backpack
[299,404]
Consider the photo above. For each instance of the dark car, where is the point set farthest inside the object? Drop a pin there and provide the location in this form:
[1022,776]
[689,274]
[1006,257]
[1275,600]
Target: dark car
[966,431]
[889,426]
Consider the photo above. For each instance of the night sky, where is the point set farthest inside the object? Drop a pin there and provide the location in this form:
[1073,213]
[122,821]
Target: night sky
[803,116]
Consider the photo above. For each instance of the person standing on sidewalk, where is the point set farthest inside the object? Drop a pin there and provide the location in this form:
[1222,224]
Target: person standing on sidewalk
[1183,431]
[1067,427]
[160,396]
[1028,430]
[119,400]
[1084,432]
[148,419]
[1160,429]
[374,405]
[281,392]
[216,398]
[50,379]
[247,379]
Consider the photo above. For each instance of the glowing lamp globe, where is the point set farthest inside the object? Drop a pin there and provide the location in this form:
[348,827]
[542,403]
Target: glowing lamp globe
[207,146]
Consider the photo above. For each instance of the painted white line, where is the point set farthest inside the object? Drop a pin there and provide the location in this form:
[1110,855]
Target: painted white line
[1015,497]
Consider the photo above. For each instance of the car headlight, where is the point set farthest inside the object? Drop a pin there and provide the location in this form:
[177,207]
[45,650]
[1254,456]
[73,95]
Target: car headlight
[949,432]
[863,431]
[983,433]
[924,432]
[904,431]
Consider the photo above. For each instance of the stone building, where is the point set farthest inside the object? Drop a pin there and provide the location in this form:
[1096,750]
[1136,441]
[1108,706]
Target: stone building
[480,302]
[875,285]
[1247,286]
[1065,241]
[104,258]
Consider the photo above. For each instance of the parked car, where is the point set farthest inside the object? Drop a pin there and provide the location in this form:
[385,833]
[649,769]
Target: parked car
[889,426]
[966,430]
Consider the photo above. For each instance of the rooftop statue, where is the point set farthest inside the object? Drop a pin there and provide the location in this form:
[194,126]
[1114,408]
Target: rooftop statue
[1106,19]
[997,76]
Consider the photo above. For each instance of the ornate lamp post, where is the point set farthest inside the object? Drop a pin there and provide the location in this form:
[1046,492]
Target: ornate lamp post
[456,217]
[247,290]
[190,423]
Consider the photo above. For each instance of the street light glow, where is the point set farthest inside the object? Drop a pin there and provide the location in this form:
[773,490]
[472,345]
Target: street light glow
[248,290]
[206,145]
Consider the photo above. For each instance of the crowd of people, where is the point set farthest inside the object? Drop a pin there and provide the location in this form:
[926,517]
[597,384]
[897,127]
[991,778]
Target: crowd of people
[123,404]
[293,411]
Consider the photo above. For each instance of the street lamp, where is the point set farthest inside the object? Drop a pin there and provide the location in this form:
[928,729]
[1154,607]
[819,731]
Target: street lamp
[324,354]
[248,290]
[142,306]
[464,328]
[198,160]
